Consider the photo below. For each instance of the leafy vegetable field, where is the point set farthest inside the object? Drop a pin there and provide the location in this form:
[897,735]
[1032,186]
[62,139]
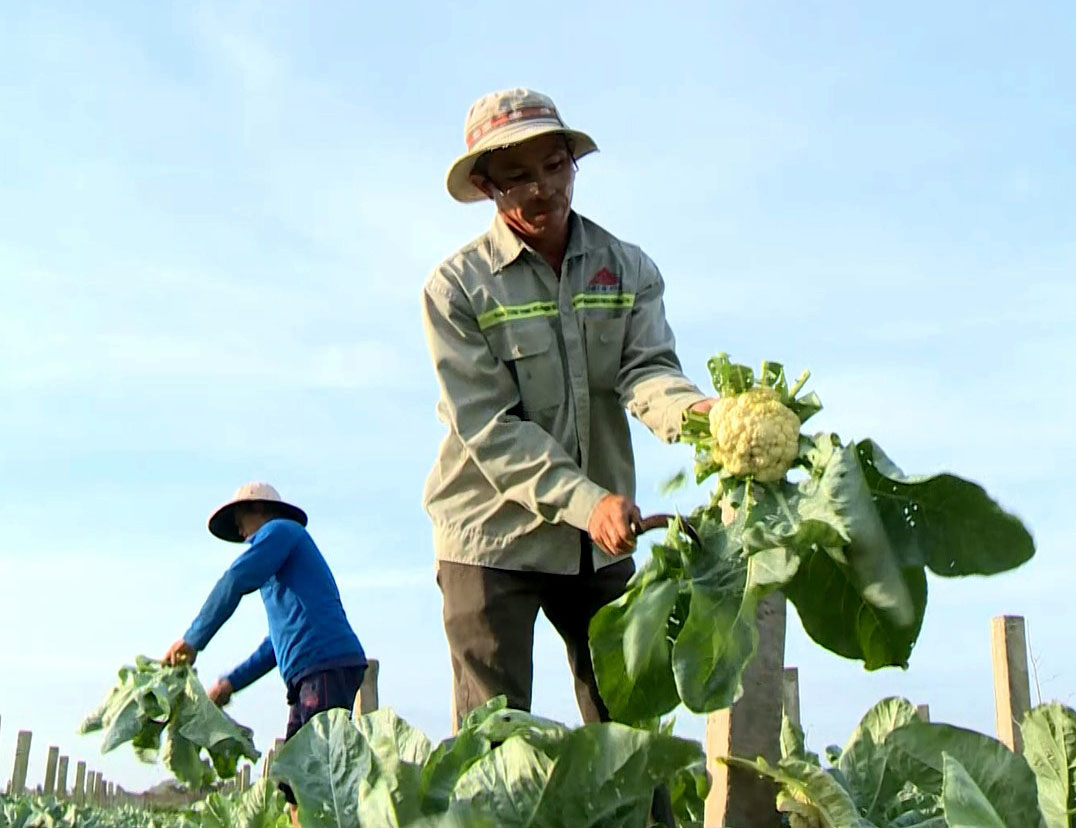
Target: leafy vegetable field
[261,806]
[836,526]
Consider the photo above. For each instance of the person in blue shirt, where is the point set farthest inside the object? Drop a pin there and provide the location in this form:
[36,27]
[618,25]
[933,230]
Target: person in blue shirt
[310,639]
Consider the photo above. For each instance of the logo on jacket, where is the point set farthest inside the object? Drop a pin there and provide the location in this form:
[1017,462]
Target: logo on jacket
[604,281]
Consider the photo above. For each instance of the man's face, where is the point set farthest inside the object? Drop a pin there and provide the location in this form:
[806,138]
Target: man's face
[249,519]
[531,184]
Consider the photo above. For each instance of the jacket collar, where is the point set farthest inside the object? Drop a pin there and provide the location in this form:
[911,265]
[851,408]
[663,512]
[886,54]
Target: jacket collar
[505,246]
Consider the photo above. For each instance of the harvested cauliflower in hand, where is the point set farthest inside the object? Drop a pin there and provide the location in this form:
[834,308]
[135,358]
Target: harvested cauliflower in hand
[755,434]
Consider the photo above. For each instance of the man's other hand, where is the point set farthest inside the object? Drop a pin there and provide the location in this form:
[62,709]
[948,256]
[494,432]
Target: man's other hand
[611,524]
[221,692]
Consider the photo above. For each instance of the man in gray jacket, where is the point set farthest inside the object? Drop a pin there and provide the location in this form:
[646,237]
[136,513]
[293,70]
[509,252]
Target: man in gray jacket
[543,333]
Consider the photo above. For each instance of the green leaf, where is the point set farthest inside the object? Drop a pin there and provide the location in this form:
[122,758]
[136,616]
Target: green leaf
[151,700]
[793,743]
[325,763]
[507,783]
[806,406]
[1049,733]
[720,635]
[606,774]
[688,790]
[835,615]
[390,793]
[447,763]
[216,811]
[674,484]
[808,785]
[839,497]
[1003,777]
[965,804]
[866,763]
[773,376]
[262,805]
[944,522]
[730,379]
[631,650]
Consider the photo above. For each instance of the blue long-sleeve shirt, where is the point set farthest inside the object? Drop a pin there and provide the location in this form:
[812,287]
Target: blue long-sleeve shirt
[308,629]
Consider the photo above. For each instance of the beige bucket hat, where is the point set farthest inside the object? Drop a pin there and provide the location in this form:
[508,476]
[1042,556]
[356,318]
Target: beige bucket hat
[222,522]
[504,119]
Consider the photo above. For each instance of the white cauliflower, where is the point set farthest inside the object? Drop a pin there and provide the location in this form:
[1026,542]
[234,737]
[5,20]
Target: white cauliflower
[755,434]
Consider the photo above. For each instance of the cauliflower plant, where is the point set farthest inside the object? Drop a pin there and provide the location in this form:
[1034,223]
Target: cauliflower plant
[755,434]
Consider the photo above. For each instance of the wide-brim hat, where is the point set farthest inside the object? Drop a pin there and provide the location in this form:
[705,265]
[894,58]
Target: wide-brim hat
[504,119]
[222,522]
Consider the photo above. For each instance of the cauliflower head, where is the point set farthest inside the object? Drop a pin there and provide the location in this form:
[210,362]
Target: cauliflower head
[755,434]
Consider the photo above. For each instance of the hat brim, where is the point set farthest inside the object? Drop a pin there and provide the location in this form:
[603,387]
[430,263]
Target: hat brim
[222,522]
[459,174]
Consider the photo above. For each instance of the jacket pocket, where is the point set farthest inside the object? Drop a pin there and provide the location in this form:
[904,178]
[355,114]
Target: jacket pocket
[605,346]
[531,351]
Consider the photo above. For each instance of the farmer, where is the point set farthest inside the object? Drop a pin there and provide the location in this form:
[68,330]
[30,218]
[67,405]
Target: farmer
[542,332]
[309,639]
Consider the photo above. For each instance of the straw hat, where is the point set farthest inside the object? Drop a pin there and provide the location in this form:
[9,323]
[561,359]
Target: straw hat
[504,119]
[222,522]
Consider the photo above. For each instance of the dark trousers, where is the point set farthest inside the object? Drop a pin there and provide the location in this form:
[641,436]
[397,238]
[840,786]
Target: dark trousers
[489,621]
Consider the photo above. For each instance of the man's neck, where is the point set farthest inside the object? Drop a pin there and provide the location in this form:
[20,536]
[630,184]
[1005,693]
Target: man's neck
[552,249]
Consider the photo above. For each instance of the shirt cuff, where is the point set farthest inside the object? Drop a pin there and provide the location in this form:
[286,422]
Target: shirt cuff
[678,406]
[582,502]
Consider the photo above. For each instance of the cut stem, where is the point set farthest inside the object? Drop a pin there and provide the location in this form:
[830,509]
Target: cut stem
[802,381]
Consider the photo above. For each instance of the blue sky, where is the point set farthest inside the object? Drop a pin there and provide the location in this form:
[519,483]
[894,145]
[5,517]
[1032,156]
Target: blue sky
[215,220]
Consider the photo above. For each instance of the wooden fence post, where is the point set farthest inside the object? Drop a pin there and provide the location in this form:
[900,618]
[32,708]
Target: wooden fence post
[22,759]
[268,765]
[366,700]
[80,778]
[244,778]
[61,777]
[50,771]
[750,728]
[924,712]
[1012,692]
[791,695]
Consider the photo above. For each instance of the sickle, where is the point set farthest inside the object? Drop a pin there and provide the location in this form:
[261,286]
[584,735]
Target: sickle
[664,521]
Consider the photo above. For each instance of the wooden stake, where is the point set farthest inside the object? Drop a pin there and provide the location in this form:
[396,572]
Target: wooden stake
[61,777]
[1012,691]
[366,700]
[78,791]
[750,728]
[22,759]
[791,687]
[50,771]
[924,712]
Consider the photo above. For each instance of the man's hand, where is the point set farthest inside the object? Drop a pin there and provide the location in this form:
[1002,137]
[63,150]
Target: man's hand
[221,692]
[180,653]
[611,524]
[704,406]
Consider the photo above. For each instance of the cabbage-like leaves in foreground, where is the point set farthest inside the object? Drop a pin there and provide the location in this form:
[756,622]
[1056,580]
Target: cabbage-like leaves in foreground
[151,702]
[504,768]
[260,806]
[848,543]
[900,772]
